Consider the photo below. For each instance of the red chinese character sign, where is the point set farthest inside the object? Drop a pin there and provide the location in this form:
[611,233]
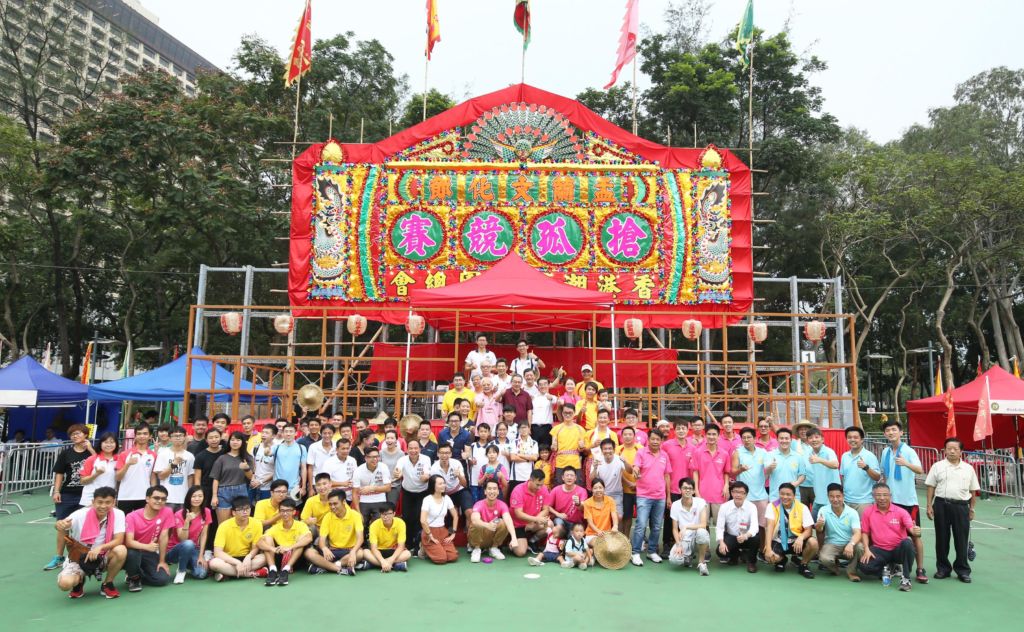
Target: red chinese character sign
[527,172]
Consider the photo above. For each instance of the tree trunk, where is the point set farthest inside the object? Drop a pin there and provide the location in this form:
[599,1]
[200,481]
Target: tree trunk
[940,317]
[1012,330]
[975,324]
[997,336]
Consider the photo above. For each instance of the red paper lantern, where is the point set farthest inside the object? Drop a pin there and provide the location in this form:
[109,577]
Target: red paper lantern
[633,328]
[356,324]
[757,332]
[415,325]
[283,324]
[231,323]
[692,329]
[814,331]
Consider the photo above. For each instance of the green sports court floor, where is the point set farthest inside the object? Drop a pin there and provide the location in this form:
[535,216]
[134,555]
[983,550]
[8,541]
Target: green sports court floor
[496,596]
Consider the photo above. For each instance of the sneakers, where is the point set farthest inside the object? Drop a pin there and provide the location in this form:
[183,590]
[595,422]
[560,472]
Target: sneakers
[474,556]
[260,574]
[496,553]
[905,585]
[56,562]
[583,566]
[77,592]
[271,578]
[532,561]
[218,577]
[806,571]
[703,569]
[422,553]
[179,577]
[654,557]
[567,564]
[134,584]
[401,567]
[362,565]
[635,560]
[107,590]
[922,576]
[282,578]
[316,570]
[347,572]
[688,561]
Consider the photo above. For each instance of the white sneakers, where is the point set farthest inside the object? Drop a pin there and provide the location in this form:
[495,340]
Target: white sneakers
[496,553]
[179,577]
[635,560]
[474,556]
[703,568]
[567,564]
[534,562]
[654,557]
[583,566]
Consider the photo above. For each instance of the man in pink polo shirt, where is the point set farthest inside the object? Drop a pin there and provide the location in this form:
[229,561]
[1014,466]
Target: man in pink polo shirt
[679,453]
[530,513]
[653,472]
[729,440]
[146,538]
[565,502]
[886,529]
[631,418]
[765,440]
[711,467]
[696,438]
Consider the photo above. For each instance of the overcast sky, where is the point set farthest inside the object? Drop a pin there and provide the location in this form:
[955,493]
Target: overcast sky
[890,61]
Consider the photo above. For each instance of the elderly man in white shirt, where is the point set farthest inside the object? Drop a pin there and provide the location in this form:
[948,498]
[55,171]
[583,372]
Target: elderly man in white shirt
[737,529]
[951,484]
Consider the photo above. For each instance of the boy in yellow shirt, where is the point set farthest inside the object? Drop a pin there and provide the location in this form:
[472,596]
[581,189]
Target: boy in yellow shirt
[234,550]
[283,543]
[316,506]
[567,441]
[338,549]
[387,542]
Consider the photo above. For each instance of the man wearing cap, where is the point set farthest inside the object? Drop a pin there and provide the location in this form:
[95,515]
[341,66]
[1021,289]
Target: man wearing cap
[951,484]
[587,372]
[800,446]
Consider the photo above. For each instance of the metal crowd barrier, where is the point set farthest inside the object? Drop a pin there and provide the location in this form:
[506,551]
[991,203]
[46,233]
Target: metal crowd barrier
[999,475]
[928,456]
[25,467]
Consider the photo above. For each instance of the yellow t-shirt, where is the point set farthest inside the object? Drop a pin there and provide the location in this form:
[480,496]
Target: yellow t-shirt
[448,402]
[287,537]
[581,386]
[341,532]
[236,541]
[264,510]
[385,538]
[589,410]
[568,438]
[628,455]
[544,466]
[315,508]
[253,441]
[594,441]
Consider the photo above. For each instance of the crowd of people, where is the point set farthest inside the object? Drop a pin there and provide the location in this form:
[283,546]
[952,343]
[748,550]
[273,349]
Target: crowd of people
[516,468]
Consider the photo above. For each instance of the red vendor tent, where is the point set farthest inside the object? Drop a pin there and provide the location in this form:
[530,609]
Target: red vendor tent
[512,290]
[928,415]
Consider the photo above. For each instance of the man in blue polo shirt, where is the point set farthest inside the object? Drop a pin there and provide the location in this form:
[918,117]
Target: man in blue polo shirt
[824,466]
[784,465]
[455,435]
[899,465]
[840,526]
[860,471]
[289,462]
[748,463]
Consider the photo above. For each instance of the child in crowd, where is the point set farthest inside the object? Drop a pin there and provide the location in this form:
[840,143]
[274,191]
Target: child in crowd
[552,549]
[493,470]
[577,553]
[543,462]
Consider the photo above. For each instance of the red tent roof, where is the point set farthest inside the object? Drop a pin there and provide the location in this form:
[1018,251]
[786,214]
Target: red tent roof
[514,291]
[1002,385]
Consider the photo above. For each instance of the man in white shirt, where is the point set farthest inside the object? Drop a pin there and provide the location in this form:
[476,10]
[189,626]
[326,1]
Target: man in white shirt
[526,360]
[104,538]
[737,529]
[609,468]
[524,454]
[372,484]
[478,357]
[413,470]
[342,468]
[541,420]
[318,453]
[530,382]
[951,484]
[263,465]
[502,378]
[689,527]
[173,468]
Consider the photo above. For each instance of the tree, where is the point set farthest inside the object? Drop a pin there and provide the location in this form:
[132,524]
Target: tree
[412,113]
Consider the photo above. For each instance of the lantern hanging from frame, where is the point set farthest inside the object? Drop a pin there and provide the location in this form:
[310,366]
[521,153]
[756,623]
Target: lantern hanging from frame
[415,325]
[231,323]
[356,324]
[633,328]
[757,332]
[283,324]
[692,328]
[814,331]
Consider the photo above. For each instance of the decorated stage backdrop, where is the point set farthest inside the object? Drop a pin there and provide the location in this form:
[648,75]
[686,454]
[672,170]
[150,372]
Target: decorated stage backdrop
[526,171]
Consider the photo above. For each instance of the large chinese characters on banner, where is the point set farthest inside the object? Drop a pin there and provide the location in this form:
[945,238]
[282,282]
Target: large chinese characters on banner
[521,171]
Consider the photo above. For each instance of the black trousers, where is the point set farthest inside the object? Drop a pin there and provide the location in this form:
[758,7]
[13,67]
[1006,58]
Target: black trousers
[143,564]
[412,502]
[541,433]
[747,550]
[666,533]
[904,554]
[952,516]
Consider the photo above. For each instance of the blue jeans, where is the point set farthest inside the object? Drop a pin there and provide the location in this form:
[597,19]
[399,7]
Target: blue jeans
[648,510]
[186,555]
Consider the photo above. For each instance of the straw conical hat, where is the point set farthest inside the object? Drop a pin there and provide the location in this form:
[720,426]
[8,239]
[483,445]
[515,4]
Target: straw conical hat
[612,550]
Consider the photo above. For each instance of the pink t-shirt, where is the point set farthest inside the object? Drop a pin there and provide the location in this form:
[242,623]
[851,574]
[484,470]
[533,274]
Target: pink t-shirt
[887,529]
[562,502]
[730,445]
[489,514]
[641,436]
[712,469]
[147,531]
[531,504]
[679,457]
[653,468]
[195,528]
[769,445]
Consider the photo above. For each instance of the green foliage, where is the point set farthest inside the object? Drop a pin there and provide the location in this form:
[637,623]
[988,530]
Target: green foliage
[412,113]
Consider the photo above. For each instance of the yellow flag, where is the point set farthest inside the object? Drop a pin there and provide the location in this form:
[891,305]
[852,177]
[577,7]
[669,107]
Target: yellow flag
[1016,369]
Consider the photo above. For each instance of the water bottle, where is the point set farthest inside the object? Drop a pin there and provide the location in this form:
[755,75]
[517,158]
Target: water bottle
[886,577]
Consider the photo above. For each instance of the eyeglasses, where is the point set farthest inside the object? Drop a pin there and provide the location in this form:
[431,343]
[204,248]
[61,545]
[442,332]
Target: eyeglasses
[159,499]
[242,509]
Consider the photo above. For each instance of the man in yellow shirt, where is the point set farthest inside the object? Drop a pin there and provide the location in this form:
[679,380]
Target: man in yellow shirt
[283,543]
[567,441]
[459,390]
[316,506]
[341,536]
[587,372]
[387,542]
[234,550]
[267,511]
[586,408]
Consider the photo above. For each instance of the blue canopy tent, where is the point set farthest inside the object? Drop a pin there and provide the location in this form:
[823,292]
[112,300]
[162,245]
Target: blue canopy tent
[167,383]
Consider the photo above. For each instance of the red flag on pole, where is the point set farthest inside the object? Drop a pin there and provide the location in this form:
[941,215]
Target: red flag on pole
[947,399]
[299,62]
[521,18]
[627,39]
[433,27]
[983,422]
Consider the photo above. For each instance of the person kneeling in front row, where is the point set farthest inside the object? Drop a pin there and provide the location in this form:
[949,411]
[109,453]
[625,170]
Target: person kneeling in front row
[234,550]
[341,539]
[387,542]
[96,543]
[789,530]
[283,543]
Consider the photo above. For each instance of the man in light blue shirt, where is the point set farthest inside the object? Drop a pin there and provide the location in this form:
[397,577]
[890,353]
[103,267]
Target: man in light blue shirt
[899,464]
[824,466]
[840,526]
[289,460]
[783,464]
[748,463]
[860,471]
[801,447]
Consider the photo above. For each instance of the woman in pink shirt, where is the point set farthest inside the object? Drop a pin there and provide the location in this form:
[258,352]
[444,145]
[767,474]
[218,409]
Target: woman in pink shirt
[186,541]
[488,404]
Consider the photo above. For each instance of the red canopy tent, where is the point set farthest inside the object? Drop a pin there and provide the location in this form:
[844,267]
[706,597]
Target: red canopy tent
[928,415]
[512,291]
